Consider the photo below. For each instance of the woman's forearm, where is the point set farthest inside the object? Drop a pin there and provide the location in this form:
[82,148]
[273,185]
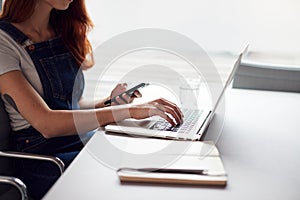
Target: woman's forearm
[70,122]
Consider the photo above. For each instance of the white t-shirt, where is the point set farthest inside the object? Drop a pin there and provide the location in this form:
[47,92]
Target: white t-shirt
[14,57]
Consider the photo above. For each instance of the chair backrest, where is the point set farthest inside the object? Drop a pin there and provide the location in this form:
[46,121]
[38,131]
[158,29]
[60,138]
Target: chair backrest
[5,129]
[6,164]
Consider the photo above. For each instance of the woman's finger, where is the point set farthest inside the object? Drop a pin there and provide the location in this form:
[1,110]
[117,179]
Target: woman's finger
[159,112]
[136,94]
[170,104]
[121,99]
[120,88]
[170,110]
[124,85]
[125,98]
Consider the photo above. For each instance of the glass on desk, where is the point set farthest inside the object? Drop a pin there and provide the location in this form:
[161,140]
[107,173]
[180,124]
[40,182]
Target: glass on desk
[189,92]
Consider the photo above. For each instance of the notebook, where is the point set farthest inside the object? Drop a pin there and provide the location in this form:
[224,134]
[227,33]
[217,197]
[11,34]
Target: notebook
[193,127]
[199,165]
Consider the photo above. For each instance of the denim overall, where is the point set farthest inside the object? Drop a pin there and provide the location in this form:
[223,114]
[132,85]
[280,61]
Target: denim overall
[57,71]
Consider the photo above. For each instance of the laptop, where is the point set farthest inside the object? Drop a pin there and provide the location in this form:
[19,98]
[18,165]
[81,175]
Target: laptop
[194,125]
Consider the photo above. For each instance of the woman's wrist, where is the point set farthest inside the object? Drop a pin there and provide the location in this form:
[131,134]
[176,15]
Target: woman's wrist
[113,114]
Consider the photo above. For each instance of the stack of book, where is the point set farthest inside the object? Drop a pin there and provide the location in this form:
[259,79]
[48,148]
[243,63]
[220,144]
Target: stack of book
[256,74]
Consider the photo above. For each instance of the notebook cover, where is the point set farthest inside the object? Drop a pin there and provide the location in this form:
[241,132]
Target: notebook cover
[199,156]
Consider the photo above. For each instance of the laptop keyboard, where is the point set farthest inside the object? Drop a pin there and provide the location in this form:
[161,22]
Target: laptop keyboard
[190,119]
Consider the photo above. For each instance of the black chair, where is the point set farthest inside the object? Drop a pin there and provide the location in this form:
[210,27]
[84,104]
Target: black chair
[10,186]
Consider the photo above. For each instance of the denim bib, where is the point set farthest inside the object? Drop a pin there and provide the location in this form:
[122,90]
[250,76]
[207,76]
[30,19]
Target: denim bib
[61,77]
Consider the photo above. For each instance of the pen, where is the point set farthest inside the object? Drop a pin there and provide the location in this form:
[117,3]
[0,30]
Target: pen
[173,171]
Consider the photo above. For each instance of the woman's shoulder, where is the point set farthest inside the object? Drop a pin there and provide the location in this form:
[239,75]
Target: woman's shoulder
[5,39]
[10,35]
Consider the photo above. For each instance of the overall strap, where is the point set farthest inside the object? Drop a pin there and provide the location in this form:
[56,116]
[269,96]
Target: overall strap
[15,33]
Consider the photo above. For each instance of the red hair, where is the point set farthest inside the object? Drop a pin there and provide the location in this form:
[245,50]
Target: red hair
[72,24]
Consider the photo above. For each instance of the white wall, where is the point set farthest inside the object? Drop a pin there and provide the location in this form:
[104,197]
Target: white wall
[268,25]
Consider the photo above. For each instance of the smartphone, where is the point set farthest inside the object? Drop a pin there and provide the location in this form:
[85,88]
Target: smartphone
[128,92]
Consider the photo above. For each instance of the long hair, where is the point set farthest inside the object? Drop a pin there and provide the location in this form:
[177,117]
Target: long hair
[72,24]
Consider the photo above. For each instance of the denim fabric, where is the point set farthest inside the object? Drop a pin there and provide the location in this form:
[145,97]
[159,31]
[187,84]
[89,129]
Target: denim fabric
[60,76]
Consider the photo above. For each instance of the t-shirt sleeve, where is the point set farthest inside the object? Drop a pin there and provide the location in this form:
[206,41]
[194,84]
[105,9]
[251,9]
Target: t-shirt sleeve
[9,60]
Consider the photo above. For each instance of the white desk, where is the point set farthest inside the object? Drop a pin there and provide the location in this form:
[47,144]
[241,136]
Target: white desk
[259,145]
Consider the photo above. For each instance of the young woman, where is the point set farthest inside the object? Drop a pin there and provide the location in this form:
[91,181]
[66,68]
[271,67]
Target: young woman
[43,50]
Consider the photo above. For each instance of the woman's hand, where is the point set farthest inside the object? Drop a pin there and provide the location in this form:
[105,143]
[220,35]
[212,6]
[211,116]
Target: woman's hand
[118,100]
[125,98]
[161,107]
